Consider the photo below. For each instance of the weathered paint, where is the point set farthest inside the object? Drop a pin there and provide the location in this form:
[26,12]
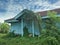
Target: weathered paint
[16,27]
[33,28]
[36,28]
[22,27]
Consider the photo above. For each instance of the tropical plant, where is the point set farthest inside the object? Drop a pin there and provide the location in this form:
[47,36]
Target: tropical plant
[51,32]
[4,28]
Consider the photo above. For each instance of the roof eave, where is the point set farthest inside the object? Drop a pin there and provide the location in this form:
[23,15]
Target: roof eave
[10,21]
[48,16]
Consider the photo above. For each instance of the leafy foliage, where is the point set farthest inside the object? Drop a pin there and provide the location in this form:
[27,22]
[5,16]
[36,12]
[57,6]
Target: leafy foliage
[50,35]
[39,21]
[4,28]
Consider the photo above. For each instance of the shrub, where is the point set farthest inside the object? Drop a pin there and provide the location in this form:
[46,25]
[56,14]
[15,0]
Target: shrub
[4,28]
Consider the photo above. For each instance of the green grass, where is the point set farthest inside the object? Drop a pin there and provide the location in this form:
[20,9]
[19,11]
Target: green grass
[4,40]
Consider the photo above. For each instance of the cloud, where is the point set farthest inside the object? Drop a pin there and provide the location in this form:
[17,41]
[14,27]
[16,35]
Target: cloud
[3,5]
[57,3]
[10,8]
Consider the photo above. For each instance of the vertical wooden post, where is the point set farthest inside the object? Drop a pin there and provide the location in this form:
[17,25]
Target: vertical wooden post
[22,27]
[33,28]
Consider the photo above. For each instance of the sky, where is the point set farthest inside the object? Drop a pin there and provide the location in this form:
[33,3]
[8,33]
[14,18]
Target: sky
[10,8]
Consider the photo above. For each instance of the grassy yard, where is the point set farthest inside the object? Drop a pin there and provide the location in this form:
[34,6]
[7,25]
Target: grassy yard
[4,40]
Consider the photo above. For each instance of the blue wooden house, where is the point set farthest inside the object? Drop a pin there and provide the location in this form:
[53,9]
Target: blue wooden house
[25,19]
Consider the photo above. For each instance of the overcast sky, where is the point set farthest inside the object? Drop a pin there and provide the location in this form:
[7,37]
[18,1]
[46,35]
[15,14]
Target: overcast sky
[10,8]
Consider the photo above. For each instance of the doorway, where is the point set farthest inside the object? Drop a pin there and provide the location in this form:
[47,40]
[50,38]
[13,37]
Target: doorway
[25,29]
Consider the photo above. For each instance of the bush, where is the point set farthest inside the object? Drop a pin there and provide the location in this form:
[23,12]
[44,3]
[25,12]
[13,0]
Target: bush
[48,41]
[4,28]
[12,34]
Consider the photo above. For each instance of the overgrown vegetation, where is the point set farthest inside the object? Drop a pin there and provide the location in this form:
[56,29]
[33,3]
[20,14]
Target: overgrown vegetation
[50,35]
[4,28]
[4,40]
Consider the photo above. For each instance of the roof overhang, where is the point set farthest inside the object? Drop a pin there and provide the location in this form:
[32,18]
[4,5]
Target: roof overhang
[11,20]
[48,16]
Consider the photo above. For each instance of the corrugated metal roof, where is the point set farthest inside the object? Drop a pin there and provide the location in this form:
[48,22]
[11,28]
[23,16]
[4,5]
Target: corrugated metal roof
[44,13]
